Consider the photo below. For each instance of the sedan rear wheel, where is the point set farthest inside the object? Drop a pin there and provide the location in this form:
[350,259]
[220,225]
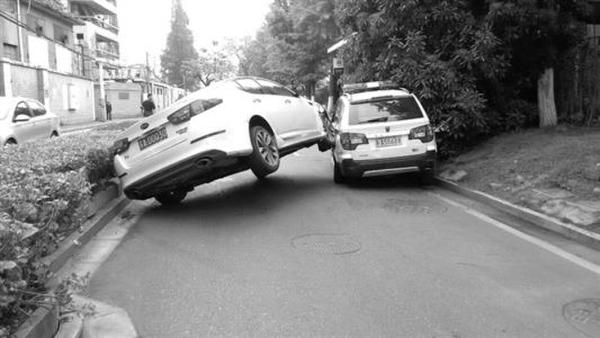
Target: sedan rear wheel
[265,155]
[171,198]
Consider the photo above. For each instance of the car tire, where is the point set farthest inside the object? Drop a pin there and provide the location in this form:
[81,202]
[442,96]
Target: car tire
[427,176]
[338,176]
[265,154]
[171,198]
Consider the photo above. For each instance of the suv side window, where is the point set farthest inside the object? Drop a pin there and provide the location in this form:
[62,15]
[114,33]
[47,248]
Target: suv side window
[250,86]
[37,109]
[22,109]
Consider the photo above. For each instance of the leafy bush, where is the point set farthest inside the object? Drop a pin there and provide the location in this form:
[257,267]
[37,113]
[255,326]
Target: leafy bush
[44,187]
[436,49]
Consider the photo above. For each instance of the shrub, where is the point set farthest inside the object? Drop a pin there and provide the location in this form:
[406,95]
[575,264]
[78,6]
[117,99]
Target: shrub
[43,191]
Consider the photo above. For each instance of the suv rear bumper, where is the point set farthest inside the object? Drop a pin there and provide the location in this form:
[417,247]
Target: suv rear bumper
[387,166]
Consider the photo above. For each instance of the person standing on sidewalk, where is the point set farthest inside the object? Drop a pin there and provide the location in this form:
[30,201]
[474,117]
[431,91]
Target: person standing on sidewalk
[148,106]
[108,111]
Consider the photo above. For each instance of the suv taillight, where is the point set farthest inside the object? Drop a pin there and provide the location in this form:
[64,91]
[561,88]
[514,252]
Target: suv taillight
[423,133]
[350,141]
[120,146]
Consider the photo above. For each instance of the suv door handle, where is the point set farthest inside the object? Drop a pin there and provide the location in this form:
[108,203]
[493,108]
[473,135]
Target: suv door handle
[256,101]
[288,101]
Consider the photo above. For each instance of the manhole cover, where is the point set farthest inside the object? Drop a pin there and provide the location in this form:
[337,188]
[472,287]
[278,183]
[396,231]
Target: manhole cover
[413,207]
[584,315]
[328,244]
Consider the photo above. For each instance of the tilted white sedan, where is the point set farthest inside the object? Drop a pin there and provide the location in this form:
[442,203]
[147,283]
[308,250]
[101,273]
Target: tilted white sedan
[230,126]
[23,119]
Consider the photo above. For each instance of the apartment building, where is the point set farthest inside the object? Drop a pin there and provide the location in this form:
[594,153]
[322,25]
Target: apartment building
[39,58]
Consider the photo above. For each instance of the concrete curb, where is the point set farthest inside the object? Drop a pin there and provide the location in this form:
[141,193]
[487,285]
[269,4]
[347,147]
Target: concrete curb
[570,231]
[44,322]
[72,243]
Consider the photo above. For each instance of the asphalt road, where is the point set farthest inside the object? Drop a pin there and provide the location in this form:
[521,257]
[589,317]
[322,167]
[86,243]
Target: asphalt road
[298,255]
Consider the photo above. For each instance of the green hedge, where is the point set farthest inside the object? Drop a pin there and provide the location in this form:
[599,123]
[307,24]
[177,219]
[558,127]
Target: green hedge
[44,187]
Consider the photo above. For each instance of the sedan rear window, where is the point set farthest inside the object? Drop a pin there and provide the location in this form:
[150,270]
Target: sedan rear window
[384,110]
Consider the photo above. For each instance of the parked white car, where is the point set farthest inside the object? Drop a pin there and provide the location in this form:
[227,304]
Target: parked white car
[230,126]
[23,119]
[381,129]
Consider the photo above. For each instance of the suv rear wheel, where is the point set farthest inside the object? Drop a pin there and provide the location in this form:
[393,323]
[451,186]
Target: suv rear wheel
[427,176]
[171,198]
[265,155]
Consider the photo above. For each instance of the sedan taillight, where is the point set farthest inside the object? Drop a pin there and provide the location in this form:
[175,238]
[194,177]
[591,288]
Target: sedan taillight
[350,141]
[423,133]
[120,146]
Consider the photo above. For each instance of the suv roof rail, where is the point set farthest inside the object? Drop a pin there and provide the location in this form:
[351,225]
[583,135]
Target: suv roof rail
[352,88]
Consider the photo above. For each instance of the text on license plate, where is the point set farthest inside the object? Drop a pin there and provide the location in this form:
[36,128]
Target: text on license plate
[389,141]
[153,138]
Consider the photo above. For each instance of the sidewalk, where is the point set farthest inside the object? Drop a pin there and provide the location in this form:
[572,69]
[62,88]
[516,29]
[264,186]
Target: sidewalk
[71,128]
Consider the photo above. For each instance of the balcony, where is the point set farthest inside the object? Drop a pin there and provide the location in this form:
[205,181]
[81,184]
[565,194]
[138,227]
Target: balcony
[99,6]
[101,23]
[107,54]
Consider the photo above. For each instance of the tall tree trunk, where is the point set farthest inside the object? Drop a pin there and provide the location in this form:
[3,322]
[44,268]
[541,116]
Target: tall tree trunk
[546,104]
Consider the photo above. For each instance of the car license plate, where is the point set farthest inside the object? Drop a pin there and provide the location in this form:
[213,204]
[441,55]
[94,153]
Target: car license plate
[389,141]
[153,138]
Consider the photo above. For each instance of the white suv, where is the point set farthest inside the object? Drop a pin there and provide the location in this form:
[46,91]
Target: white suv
[381,129]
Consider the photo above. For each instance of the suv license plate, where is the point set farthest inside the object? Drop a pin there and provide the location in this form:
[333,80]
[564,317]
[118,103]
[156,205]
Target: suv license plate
[153,138]
[389,141]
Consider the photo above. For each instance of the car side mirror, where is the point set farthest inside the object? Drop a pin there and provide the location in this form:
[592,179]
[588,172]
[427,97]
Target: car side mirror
[21,118]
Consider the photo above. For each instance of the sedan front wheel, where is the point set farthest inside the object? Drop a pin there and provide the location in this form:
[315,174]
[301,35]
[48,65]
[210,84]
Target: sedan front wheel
[265,154]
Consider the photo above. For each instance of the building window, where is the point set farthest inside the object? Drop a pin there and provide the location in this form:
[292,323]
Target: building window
[11,51]
[123,96]
[61,34]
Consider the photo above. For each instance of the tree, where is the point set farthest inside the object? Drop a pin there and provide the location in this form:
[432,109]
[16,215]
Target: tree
[535,34]
[209,66]
[440,50]
[180,48]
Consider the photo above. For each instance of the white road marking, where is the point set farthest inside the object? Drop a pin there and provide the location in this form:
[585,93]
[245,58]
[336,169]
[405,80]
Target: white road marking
[531,239]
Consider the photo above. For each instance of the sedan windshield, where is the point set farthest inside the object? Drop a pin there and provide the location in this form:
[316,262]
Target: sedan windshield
[384,110]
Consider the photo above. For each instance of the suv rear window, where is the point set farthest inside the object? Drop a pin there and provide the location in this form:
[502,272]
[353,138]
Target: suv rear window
[384,110]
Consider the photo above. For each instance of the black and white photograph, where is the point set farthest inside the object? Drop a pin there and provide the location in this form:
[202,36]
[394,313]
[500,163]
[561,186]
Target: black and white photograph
[299,168]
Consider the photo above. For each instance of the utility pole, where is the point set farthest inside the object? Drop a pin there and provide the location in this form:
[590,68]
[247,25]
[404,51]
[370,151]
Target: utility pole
[336,70]
[148,86]
[102,91]
[20,33]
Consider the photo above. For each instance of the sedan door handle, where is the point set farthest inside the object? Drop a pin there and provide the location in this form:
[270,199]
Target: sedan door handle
[288,101]
[257,101]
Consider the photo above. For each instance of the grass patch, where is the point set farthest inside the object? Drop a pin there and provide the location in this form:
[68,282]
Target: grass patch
[563,157]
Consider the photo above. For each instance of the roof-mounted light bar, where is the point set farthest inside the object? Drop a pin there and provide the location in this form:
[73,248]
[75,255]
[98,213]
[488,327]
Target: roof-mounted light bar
[369,86]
